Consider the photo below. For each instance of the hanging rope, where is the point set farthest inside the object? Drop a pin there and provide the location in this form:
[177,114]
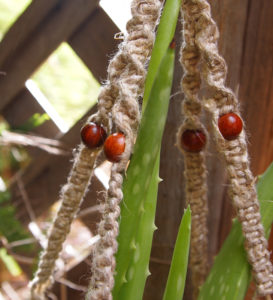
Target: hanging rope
[233,148]
[126,75]
[71,196]
[129,65]
[191,141]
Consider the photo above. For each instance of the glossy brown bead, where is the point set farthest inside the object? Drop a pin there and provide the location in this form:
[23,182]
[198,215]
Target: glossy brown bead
[114,146]
[93,135]
[193,140]
[230,126]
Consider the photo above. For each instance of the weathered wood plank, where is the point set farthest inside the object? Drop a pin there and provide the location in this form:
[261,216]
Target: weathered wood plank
[94,42]
[256,90]
[23,106]
[59,26]
[25,25]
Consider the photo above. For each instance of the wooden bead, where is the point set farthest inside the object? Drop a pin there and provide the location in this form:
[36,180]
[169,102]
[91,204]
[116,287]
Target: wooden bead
[93,135]
[193,140]
[114,146]
[230,126]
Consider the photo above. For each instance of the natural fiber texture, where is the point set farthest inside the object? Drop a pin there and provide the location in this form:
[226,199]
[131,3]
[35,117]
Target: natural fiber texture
[127,66]
[242,187]
[71,196]
[127,75]
[195,169]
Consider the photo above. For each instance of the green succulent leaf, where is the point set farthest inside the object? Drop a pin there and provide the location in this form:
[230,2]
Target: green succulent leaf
[177,276]
[139,184]
[137,271]
[231,274]
[164,36]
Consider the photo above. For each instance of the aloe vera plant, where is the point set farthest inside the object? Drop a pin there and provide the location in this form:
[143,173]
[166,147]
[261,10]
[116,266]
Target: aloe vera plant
[141,183]
[177,276]
[230,275]
[165,34]
[135,215]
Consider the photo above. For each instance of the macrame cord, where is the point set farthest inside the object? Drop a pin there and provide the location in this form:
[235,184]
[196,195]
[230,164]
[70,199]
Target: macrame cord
[131,59]
[242,185]
[118,110]
[195,168]
[71,196]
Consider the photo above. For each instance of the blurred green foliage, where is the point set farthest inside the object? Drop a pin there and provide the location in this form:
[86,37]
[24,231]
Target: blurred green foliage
[68,84]
[34,121]
[9,11]
[10,263]
[10,227]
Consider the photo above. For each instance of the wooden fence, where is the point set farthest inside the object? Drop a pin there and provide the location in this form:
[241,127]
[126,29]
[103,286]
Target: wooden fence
[247,45]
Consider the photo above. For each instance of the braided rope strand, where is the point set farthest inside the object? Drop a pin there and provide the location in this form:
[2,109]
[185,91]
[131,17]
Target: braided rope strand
[74,190]
[71,195]
[129,64]
[242,188]
[195,169]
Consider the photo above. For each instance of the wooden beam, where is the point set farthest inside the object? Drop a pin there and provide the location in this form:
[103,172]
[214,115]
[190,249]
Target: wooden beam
[231,17]
[94,42]
[58,27]
[23,106]
[24,26]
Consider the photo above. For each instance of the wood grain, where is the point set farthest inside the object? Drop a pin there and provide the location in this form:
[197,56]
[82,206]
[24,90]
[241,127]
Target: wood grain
[58,27]
[256,91]
[16,116]
[25,25]
[94,42]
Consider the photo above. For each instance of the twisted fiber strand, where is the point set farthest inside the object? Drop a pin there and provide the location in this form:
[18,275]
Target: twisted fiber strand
[128,63]
[129,66]
[195,170]
[71,196]
[196,195]
[68,208]
[242,186]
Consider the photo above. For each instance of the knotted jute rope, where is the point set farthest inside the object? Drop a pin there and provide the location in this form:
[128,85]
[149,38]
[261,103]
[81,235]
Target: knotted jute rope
[195,168]
[71,196]
[126,75]
[131,59]
[242,187]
